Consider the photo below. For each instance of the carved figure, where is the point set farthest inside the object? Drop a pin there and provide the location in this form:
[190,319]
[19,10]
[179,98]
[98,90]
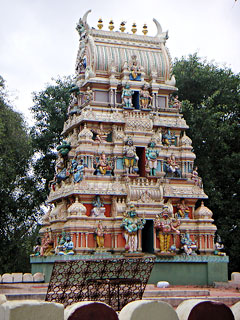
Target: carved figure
[64,148]
[166,226]
[197,180]
[188,245]
[175,103]
[103,166]
[130,158]
[127,96]
[77,169]
[172,167]
[88,96]
[67,247]
[131,224]
[46,245]
[151,156]
[135,70]
[182,210]
[145,98]
[219,247]
[73,106]
[168,138]
[99,209]
[99,234]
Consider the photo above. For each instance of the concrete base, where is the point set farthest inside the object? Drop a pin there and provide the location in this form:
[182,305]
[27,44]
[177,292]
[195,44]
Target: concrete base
[177,270]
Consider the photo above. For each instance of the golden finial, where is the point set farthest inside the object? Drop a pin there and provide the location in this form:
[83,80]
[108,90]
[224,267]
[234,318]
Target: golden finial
[145,30]
[111,25]
[122,26]
[100,23]
[134,28]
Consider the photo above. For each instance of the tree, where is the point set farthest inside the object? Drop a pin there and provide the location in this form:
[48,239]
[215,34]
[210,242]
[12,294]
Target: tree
[50,112]
[211,107]
[18,212]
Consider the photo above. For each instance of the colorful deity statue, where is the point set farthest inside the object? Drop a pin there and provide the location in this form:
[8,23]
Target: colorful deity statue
[88,96]
[99,235]
[77,169]
[131,224]
[197,180]
[188,245]
[175,103]
[98,208]
[73,106]
[182,210]
[46,245]
[145,98]
[219,246]
[168,138]
[130,158]
[151,156]
[172,167]
[135,70]
[67,247]
[64,148]
[166,225]
[103,165]
[127,96]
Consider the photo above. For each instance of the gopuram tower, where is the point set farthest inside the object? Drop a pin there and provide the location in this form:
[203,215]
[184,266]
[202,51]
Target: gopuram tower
[125,178]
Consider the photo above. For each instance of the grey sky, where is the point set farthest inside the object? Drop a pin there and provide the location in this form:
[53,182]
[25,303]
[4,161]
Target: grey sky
[38,39]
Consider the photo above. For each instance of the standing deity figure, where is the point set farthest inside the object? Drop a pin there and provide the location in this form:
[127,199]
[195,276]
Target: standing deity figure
[127,96]
[73,106]
[98,208]
[197,180]
[172,167]
[188,245]
[131,224]
[99,235]
[151,156]
[88,96]
[145,98]
[130,158]
[166,226]
[182,210]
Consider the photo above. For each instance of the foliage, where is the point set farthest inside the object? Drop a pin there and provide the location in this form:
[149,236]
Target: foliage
[211,107]
[50,112]
[18,211]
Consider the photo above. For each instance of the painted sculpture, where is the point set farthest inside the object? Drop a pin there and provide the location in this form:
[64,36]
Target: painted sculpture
[182,210]
[130,158]
[135,70]
[77,169]
[166,225]
[99,235]
[151,156]
[46,245]
[168,138]
[131,223]
[188,245]
[103,165]
[172,168]
[98,208]
[145,98]
[127,97]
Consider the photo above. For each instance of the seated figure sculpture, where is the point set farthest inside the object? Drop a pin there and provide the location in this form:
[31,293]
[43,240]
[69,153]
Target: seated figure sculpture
[131,224]
[168,138]
[182,210]
[172,168]
[98,208]
[67,247]
[189,247]
[103,166]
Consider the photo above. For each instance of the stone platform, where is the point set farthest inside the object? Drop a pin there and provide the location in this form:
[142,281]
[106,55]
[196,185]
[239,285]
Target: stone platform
[201,270]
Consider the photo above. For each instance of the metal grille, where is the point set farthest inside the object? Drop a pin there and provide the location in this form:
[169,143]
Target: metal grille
[115,281]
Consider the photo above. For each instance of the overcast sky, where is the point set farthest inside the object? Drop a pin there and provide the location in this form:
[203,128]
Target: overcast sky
[38,39]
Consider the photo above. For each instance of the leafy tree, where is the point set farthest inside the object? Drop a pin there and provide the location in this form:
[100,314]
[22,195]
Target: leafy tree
[50,112]
[18,212]
[211,107]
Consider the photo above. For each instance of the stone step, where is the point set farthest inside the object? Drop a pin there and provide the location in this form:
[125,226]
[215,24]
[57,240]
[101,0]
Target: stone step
[175,293]
[175,301]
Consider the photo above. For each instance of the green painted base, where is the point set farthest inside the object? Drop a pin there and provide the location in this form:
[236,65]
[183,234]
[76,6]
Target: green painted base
[177,270]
